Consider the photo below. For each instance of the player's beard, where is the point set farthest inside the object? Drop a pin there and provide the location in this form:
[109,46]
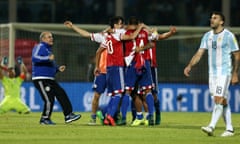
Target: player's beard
[214,26]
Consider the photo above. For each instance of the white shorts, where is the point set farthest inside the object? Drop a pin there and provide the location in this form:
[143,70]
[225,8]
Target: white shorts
[218,85]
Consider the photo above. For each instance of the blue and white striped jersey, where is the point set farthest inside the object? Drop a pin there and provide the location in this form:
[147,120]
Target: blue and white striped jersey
[219,46]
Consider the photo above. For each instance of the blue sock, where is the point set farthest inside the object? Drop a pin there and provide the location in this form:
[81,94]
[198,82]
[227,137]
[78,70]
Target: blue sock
[109,106]
[150,103]
[117,115]
[104,109]
[139,115]
[124,105]
[133,109]
[114,105]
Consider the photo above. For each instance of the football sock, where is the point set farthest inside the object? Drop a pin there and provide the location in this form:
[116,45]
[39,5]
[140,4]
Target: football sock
[227,117]
[114,105]
[109,106]
[104,109]
[157,111]
[217,112]
[150,103]
[147,115]
[139,115]
[124,105]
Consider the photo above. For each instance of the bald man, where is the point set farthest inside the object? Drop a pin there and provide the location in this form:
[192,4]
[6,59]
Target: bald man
[44,69]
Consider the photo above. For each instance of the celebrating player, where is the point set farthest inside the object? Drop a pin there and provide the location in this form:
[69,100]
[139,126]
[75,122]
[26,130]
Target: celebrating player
[115,61]
[12,89]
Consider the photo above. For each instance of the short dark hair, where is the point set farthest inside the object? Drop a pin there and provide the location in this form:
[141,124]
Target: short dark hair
[115,20]
[133,21]
[220,14]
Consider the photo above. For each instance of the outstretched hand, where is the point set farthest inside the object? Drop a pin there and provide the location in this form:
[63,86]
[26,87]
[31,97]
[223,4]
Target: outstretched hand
[173,30]
[68,24]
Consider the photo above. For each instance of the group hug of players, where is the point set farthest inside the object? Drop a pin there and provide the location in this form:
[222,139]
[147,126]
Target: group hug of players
[126,66]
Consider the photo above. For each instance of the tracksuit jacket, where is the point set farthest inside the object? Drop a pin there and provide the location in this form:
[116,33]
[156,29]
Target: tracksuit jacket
[42,67]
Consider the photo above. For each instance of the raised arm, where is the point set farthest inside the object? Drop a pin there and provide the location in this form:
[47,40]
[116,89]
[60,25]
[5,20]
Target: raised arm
[23,69]
[166,35]
[134,34]
[2,68]
[82,32]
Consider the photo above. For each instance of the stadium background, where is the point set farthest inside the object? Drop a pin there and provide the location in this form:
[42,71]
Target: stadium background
[191,17]
[78,52]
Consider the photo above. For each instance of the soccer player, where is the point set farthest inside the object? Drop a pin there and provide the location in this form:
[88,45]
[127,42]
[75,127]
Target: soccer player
[115,61]
[221,45]
[12,90]
[44,69]
[136,71]
[99,84]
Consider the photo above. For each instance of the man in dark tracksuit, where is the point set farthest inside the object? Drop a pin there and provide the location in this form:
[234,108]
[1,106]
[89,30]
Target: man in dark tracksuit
[44,70]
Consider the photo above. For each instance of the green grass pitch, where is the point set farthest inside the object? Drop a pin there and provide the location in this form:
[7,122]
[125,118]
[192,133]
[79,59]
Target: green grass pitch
[175,128]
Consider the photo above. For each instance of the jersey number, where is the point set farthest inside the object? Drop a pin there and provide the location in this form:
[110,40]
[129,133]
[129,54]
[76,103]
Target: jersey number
[110,47]
[219,90]
[214,44]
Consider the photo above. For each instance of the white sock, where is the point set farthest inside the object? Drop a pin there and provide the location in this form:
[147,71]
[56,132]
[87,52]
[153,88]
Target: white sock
[227,117]
[217,112]
[139,113]
[146,115]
